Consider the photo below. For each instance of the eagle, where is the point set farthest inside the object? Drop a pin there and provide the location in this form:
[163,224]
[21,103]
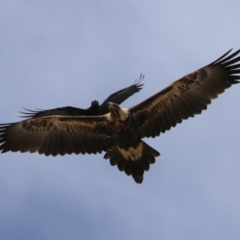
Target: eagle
[119,133]
[95,109]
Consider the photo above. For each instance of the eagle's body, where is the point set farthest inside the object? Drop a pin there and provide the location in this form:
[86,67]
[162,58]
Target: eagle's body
[119,133]
[129,152]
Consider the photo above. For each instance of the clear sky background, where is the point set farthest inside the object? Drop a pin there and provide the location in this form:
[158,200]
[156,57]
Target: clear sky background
[69,53]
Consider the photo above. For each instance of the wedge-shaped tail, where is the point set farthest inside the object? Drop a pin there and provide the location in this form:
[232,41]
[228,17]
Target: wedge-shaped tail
[133,161]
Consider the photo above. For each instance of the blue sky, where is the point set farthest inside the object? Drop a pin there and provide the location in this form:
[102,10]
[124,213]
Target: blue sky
[69,53]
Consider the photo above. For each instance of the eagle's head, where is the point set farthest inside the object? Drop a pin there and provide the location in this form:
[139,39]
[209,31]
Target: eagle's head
[117,113]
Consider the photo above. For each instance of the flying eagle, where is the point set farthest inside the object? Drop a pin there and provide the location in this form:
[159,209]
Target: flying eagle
[94,110]
[119,133]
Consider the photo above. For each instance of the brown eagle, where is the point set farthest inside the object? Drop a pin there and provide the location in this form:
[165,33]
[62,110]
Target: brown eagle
[119,133]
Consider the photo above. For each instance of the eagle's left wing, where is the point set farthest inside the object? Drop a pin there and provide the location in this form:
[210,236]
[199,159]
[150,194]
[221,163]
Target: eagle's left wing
[57,135]
[187,96]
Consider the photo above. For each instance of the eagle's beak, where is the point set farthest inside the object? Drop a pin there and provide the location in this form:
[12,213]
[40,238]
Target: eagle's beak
[112,105]
[114,109]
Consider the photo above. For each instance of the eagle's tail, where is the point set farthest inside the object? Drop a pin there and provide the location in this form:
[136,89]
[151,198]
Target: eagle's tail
[133,161]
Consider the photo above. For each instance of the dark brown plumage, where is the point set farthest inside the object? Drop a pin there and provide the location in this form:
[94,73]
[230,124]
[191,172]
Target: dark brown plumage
[119,133]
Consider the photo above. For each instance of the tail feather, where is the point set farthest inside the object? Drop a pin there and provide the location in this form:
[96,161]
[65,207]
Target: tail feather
[133,161]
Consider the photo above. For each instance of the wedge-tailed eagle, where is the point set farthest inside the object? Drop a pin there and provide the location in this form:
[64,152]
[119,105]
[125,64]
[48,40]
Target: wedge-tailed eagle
[119,133]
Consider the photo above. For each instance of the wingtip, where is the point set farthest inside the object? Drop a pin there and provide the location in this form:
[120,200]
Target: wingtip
[225,57]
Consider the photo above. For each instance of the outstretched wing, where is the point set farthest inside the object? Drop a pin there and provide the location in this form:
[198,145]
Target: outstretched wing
[63,111]
[187,96]
[120,96]
[56,135]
